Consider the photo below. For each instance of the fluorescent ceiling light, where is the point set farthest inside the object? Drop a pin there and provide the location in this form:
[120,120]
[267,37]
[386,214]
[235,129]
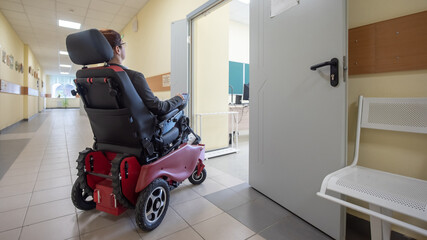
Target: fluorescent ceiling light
[65,73]
[63,52]
[64,65]
[68,24]
[245,1]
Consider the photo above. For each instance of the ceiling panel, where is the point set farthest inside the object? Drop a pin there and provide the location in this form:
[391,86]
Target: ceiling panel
[13,15]
[43,4]
[35,19]
[71,9]
[23,29]
[70,17]
[100,16]
[127,11]
[121,2]
[138,4]
[14,6]
[78,3]
[30,10]
[20,22]
[105,7]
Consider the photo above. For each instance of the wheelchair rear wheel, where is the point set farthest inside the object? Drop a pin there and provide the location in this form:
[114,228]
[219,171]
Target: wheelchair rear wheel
[152,205]
[81,199]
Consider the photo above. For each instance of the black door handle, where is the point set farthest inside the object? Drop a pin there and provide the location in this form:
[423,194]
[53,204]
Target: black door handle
[334,70]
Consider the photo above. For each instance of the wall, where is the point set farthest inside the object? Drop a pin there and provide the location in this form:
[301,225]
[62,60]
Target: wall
[401,153]
[238,42]
[11,110]
[211,75]
[149,49]
[31,103]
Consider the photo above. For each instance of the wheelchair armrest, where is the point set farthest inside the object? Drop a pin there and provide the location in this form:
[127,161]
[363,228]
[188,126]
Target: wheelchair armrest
[168,115]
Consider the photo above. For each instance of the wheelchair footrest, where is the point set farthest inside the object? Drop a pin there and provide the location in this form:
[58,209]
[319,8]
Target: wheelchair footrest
[105,199]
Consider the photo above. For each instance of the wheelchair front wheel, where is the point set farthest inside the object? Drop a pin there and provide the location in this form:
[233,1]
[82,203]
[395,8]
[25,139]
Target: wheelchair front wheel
[196,180]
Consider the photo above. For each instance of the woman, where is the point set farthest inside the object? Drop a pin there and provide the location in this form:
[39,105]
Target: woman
[138,80]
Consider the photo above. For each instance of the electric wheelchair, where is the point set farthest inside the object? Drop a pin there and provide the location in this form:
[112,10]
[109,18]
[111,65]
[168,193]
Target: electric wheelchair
[137,157]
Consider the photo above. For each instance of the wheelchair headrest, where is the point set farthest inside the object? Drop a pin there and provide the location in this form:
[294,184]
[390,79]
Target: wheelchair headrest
[88,47]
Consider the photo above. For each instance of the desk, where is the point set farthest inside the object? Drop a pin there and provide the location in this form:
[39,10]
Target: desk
[243,116]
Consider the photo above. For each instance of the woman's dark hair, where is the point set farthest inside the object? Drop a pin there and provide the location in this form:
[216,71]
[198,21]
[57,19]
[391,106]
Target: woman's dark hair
[112,36]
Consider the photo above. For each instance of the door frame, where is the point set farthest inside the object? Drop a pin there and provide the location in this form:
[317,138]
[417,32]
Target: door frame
[203,9]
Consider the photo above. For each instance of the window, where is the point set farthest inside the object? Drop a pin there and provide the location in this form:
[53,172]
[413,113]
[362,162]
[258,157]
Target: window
[61,87]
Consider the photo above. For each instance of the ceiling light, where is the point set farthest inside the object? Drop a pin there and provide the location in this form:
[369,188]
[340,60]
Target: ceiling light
[68,24]
[63,52]
[245,1]
[64,65]
[65,73]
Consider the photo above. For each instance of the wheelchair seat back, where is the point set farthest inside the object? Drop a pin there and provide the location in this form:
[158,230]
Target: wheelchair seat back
[119,119]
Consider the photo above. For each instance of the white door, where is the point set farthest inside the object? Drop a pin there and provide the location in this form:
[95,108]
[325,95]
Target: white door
[298,120]
[179,52]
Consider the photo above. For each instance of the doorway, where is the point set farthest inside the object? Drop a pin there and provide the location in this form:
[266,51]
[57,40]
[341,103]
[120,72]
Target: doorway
[219,82]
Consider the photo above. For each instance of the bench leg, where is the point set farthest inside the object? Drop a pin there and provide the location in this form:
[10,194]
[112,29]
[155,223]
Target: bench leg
[380,230]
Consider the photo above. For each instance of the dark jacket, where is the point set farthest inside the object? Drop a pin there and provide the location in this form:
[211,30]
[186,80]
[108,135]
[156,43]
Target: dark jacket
[152,102]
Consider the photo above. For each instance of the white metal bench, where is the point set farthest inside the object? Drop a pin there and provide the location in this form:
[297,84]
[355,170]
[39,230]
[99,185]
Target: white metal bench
[385,192]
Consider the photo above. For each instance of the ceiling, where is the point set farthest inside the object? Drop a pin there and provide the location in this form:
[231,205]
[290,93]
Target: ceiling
[239,12]
[36,23]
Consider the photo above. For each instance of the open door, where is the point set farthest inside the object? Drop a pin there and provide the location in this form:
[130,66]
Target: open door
[298,115]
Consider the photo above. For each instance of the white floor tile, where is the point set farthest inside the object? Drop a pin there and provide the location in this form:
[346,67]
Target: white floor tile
[182,194]
[20,172]
[24,165]
[212,171]
[53,174]
[121,230]
[17,189]
[13,180]
[197,210]
[46,162]
[207,187]
[11,234]
[170,224]
[230,228]
[93,220]
[58,228]
[12,219]
[256,237]
[54,166]
[50,210]
[52,183]
[186,234]
[227,180]
[14,202]
[50,195]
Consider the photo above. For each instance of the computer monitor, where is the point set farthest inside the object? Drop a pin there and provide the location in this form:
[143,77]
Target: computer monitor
[246,91]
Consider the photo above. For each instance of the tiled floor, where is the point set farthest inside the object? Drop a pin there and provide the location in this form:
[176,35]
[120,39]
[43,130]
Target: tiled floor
[35,194]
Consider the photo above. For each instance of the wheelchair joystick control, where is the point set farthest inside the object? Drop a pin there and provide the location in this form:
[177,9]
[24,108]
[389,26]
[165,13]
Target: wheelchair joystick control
[73,92]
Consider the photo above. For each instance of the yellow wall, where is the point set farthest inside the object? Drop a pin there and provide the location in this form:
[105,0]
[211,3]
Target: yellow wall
[11,110]
[14,108]
[211,75]
[149,49]
[401,153]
